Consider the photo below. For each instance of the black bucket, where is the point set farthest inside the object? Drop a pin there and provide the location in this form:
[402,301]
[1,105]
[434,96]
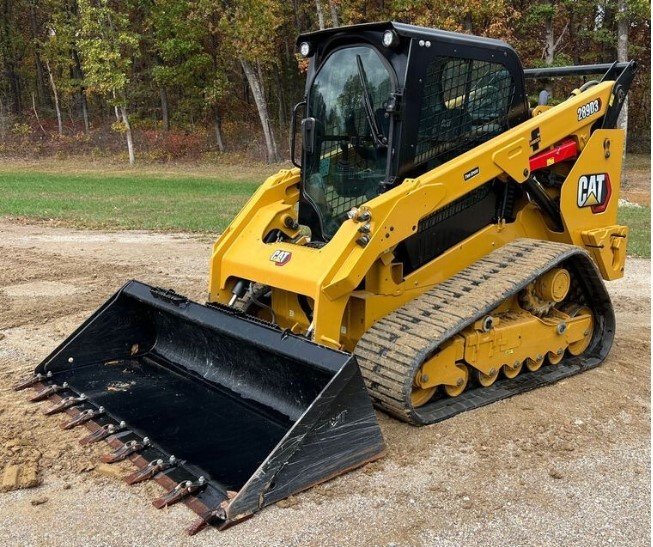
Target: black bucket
[258,413]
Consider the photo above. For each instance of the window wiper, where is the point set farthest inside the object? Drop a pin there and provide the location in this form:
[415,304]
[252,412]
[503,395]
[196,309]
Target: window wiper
[379,139]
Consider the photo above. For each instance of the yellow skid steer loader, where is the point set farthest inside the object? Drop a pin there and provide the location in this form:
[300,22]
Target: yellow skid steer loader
[439,246]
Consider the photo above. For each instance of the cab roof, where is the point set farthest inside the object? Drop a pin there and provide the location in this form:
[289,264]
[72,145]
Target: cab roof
[408,31]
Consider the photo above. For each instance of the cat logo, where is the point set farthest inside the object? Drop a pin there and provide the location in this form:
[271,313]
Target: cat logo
[594,191]
[280,257]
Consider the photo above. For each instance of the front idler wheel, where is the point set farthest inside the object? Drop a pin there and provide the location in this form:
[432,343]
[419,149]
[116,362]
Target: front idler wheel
[420,396]
[579,347]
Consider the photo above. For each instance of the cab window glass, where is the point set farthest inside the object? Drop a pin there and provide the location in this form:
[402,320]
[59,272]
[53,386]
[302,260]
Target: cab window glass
[347,99]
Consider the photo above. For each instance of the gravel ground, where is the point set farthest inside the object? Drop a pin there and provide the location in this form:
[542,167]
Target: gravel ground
[568,464]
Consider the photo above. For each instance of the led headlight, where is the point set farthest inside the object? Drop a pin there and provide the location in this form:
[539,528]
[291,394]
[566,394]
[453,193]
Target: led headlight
[305,49]
[390,38]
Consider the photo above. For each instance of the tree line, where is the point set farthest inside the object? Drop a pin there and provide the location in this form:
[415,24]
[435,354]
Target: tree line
[86,64]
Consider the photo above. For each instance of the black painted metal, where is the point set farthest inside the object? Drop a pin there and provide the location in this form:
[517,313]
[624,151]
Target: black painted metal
[573,70]
[248,407]
[448,226]
[622,84]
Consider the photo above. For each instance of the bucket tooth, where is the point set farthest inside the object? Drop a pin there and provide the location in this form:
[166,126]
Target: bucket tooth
[125,451]
[213,516]
[64,404]
[103,432]
[83,417]
[153,468]
[32,380]
[47,391]
[183,490]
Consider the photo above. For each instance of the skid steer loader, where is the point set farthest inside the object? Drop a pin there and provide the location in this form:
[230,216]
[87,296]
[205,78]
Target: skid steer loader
[439,246]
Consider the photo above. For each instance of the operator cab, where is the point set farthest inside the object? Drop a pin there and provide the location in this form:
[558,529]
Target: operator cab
[387,101]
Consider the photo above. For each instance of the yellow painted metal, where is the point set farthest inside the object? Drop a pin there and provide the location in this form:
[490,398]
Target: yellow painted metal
[511,371]
[597,231]
[535,364]
[443,367]
[419,397]
[553,285]
[554,357]
[288,313]
[578,347]
[330,276]
[608,249]
[517,337]
[454,391]
[486,380]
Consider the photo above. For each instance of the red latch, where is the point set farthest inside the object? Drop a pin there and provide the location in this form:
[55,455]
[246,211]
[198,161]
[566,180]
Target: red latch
[566,150]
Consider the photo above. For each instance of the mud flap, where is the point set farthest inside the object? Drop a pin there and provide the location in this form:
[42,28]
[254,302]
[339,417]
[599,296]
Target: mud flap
[230,414]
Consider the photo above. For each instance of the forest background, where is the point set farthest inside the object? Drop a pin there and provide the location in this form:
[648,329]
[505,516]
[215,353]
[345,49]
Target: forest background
[166,80]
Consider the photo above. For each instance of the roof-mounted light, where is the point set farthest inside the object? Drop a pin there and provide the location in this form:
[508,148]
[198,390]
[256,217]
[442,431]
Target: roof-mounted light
[305,49]
[390,38]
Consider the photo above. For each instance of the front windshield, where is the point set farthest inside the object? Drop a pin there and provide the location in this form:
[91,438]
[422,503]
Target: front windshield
[347,100]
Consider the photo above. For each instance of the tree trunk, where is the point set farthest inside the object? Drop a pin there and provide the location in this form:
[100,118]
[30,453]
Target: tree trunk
[3,122]
[218,129]
[467,23]
[56,98]
[549,41]
[72,119]
[320,14]
[280,99]
[78,73]
[622,56]
[334,14]
[84,103]
[261,104]
[164,107]
[10,69]
[115,106]
[549,48]
[36,114]
[128,133]
[40,80]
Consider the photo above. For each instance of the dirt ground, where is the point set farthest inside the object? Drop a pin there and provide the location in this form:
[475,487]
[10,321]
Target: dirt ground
[568,464]
[636,180]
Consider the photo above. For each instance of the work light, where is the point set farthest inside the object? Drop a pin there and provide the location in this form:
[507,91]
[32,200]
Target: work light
[390,38]
[305,49]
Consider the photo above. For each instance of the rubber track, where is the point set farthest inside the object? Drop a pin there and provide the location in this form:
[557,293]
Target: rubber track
[392,350]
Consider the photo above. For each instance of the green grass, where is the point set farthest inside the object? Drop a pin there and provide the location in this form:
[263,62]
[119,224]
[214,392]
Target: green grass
[638,219]
[125,201]
[171,201]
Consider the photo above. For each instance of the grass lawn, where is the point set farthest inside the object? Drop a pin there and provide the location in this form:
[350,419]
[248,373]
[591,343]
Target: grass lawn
[124,200]
[200,198]
[638,219]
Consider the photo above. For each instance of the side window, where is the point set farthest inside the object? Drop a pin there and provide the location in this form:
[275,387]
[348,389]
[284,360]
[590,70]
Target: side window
[464,102]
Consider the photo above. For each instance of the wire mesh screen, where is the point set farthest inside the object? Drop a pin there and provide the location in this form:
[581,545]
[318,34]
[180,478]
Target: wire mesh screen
[464,103]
